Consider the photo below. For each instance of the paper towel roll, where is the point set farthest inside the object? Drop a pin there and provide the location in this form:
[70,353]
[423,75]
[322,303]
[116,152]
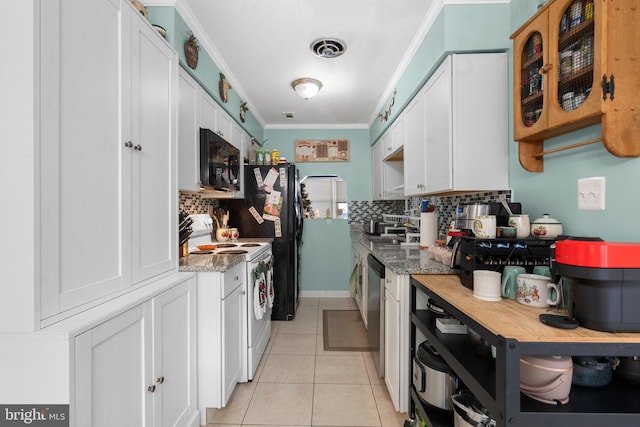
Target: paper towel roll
[428,228]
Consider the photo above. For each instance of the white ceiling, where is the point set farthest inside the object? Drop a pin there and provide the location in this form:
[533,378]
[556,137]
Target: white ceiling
[263,45]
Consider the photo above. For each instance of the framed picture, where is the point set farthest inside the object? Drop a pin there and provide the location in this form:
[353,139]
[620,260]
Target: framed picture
[324,150]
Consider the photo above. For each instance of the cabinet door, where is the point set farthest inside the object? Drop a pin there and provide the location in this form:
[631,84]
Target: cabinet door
[392,345]
[377,173]
[414,147]
[438,125]
[208,112]
[188,133]
[112,373]
[531,78]
[577,49]
[224,123]
[79,149]
[232,340]
[174,350]
[153,129]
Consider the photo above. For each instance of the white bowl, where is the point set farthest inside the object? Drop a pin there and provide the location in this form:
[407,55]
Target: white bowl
[546,227]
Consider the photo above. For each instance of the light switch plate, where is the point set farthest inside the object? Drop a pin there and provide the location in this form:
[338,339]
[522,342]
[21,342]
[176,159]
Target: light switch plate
[591,193]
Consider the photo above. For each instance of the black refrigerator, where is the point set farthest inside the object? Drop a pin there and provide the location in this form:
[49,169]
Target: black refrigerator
[272,207]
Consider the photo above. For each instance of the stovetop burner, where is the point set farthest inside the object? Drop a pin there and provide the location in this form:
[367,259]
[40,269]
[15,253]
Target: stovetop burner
[226,245]
[234,252]
[250,245]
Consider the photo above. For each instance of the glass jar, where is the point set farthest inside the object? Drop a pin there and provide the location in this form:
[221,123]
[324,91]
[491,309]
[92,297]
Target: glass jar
[275,156]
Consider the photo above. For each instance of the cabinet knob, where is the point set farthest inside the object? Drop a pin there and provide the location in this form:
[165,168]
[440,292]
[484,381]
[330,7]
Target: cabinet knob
[151,388]
[160,380]
[137,147]
[545,68]
[128,144]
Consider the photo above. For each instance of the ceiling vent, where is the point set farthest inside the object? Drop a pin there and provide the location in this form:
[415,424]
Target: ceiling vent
[288,116]
[328,47]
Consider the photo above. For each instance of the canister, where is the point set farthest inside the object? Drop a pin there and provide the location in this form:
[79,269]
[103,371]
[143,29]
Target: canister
[275,156]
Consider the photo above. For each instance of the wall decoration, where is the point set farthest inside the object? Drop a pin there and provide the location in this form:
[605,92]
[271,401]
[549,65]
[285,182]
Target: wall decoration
[224,88]
[191,49]
[384,117]
[326,150]
[243,111]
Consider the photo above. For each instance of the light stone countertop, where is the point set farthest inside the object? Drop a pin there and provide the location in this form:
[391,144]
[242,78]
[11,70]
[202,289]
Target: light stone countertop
[211,262]
[398,259]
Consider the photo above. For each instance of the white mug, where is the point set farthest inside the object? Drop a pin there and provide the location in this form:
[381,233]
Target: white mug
[484,226]
[222,234]
[522,225]
[535,290]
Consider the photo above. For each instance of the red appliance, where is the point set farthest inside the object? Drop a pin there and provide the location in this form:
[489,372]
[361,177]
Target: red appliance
[603,281]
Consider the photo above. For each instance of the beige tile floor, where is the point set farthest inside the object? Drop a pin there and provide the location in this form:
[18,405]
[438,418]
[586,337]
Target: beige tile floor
[299,384]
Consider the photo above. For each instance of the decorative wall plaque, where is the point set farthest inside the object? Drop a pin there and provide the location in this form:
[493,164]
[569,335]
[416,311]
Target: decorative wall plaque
[325,150]
[224,88]
[191,49]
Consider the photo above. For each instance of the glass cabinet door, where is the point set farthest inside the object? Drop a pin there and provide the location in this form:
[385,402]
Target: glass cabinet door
[530,92]
[575,87]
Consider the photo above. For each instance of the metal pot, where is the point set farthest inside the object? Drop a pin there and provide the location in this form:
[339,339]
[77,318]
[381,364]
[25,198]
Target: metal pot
[466,214]
[433,378]
[629,369]
[592,371]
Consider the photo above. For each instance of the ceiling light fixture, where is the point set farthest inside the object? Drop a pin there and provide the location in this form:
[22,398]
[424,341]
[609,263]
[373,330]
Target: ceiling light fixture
[306,87]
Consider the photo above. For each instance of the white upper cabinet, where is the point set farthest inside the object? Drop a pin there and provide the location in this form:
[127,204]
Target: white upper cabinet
[80,147]
[154,91]
[415,147]
[377,171]
[456,128]
[393,140]
[188,133]
[199,110]
[106,150]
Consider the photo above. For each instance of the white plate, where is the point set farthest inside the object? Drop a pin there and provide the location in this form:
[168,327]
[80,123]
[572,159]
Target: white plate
[487,297]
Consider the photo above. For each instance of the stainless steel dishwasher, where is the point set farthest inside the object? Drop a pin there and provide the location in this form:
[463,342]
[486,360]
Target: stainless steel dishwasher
[375,311]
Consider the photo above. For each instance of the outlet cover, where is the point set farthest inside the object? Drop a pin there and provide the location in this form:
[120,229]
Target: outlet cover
[591,194]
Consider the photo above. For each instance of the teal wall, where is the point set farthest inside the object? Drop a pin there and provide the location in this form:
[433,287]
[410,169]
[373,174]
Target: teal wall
[207,72]
[325,261]
[555,190]
[458,28]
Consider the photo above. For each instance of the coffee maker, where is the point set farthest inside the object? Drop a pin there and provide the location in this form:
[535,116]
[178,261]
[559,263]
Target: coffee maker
[466,214]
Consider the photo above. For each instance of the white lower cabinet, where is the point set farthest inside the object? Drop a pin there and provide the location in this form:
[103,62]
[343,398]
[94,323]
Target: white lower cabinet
[138,368]
[221,335]
[396,332]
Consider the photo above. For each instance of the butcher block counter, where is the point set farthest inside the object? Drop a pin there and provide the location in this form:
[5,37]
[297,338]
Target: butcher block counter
[510,319]
[514,330]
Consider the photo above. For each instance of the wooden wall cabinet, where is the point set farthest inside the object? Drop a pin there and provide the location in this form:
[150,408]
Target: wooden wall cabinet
[575,65]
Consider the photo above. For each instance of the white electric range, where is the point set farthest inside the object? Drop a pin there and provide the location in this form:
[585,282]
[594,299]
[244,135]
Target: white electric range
[259,273]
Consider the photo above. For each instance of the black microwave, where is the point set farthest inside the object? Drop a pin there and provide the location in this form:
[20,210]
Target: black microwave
[219,163]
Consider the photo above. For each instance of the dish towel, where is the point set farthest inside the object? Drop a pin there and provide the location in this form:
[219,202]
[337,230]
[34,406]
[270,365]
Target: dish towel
[260,296]
[270,291]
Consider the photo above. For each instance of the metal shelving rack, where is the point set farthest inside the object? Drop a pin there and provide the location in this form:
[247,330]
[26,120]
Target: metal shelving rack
[497,384]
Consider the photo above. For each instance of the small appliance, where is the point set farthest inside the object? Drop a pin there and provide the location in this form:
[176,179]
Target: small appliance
[433,379]
[466,213]
[376,226]
[219,163]
[472,253]
[603,281]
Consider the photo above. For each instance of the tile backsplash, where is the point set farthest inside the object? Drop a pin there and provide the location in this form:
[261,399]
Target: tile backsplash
[192,203]
[445,206]
[360,211]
